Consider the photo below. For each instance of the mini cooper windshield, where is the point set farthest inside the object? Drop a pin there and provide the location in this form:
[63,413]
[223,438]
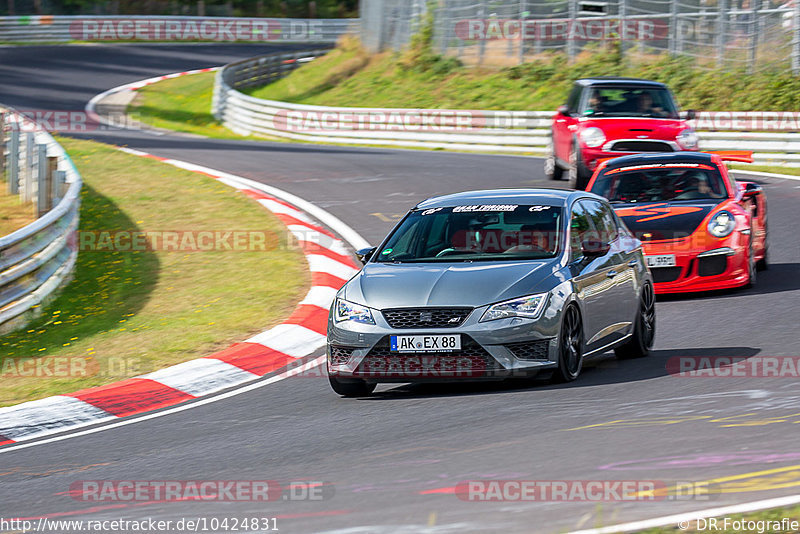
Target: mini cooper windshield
[475,233]
[660,183]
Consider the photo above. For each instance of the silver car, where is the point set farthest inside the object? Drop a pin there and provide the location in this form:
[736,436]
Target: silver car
[490,285]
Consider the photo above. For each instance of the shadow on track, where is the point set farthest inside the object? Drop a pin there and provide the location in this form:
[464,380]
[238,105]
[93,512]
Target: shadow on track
[780,278]
[605,369]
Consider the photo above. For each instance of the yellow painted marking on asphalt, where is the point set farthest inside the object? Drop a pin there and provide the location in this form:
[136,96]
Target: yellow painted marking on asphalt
[432,519]
[756,422]
[768,479]
[655,421]
[391,218]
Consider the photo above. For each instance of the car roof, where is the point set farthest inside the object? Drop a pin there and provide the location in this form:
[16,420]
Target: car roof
[540,196]
[661,157]
[618,80]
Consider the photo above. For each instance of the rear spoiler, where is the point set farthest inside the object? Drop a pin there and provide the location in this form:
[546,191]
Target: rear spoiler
[743,156]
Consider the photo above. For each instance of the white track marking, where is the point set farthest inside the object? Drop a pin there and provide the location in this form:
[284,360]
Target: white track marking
[201,376]
[676,519]
[125,422]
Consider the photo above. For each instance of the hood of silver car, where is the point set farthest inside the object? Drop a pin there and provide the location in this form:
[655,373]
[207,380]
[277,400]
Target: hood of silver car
[390,285]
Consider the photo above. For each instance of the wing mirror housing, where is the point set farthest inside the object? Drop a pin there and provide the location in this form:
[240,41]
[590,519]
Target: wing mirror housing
[594,248]
[691,114]
[751,189]
[365,254]
[563,110]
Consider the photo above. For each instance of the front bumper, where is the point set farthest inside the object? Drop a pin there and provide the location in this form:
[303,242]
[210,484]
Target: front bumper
[714,264]
[492,350]
[593,156]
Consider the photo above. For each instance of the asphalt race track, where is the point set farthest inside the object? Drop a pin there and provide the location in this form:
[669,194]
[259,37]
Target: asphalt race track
[390,461]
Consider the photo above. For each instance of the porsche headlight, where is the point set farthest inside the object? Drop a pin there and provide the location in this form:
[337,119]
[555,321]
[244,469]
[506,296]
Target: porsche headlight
[688,139]
[593,137]
[528,307]
[349,311]
[721,224]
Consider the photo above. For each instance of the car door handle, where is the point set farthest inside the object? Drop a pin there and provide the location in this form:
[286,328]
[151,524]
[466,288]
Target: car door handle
[611,274]
[633,263]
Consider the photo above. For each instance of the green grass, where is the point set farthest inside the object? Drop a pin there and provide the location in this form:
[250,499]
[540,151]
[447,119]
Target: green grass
[13,214]
[348,76]
[180,104]
[775,514]
[795,171]
[151,309]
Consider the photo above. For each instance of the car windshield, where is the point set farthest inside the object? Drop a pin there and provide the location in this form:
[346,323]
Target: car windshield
[659,183]
[629,102]
[475,233]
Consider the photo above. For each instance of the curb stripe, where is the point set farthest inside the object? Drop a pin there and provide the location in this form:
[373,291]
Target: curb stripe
[254,358]
[202,376]
[132,396]
[276,349]
[309,247]
[327,280]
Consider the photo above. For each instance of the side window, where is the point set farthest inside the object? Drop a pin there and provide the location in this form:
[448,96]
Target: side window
[579,228]
[603,219]
[574,99]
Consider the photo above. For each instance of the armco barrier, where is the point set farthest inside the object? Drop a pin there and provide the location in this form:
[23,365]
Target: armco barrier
[477,130]
[61,28]
[39,258]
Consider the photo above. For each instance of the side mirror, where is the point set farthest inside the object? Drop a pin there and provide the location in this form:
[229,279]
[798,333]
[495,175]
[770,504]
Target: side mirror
[691,115]
[594,248]
[365,254]
[563,110]
[751,189]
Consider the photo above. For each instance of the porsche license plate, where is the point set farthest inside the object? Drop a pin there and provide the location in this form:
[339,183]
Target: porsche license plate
[433,343]
[661,260]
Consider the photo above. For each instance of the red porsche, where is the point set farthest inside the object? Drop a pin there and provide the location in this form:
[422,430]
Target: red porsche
[700,229]
[609,117]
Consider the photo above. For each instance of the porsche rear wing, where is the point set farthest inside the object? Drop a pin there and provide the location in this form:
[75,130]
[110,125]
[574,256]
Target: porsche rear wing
[743,156]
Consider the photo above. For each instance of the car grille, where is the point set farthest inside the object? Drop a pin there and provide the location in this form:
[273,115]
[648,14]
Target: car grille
[472,361]
[666,274]
[641,146]
[530,350]
[712,265]
[425,317]
[340,355]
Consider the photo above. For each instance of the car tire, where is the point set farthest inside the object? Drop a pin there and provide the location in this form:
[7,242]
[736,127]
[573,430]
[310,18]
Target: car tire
[752,266]
[644,331]
[578,174]
[552,171]
[763,263]
[353,387]
[570,346]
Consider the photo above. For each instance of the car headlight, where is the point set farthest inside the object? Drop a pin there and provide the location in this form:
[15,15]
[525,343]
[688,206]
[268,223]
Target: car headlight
[349,311]
[529,307]
[593,137]
[721,224]
[688,139]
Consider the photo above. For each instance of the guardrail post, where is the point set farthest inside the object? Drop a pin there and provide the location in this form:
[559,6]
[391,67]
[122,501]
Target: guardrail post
[13,162]
[43,177]
[30,163]
[59,179]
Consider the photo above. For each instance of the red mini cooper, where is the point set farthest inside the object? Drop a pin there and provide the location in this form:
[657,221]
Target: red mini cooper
[609,117]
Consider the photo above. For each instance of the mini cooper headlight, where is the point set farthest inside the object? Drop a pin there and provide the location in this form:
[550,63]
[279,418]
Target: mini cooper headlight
[593,137]
[529,307]
[688,139]
[349,311]
[721,224]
